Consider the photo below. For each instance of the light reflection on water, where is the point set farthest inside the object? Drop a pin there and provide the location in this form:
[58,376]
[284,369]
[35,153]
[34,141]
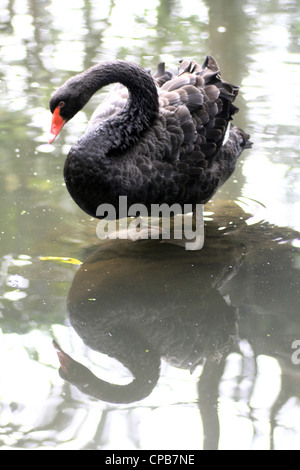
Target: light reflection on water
[257,45]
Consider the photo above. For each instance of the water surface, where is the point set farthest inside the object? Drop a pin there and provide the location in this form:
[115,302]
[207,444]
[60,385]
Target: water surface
[229,314]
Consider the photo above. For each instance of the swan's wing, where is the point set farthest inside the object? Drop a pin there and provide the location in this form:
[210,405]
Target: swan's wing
[114,102]
[202,103]
[183,157]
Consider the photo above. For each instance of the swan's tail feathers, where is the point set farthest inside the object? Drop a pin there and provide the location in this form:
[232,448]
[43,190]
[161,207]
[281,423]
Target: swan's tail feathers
[241,138]
[245,141]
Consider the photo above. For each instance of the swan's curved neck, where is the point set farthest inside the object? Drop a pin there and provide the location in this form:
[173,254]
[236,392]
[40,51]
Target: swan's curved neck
[141,108]
[138,81]
[145,378]
[138,389]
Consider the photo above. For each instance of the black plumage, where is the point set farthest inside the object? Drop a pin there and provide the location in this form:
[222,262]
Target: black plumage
[155,139]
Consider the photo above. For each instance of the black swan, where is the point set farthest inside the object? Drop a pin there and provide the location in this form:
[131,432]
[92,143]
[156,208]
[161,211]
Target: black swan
[155,139]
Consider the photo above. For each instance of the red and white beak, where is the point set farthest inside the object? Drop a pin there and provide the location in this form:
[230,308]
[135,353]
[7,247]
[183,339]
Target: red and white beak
[57,124]
[64,359]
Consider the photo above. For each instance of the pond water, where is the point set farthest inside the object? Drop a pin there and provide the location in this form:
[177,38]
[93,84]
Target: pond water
[214,334]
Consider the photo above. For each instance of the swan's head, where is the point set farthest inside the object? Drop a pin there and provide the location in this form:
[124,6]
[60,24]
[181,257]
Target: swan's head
[64,104]
[70,370]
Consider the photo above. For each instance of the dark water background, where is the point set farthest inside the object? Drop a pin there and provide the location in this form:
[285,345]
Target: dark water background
[185,306]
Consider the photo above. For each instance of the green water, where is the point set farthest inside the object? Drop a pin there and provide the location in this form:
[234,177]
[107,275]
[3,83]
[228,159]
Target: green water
[235,303]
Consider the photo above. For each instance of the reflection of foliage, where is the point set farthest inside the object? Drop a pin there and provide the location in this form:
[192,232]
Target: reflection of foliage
[295,34]
[175,35]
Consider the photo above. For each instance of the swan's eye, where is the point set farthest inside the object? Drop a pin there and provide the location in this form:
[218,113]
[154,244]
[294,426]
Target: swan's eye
[61,104]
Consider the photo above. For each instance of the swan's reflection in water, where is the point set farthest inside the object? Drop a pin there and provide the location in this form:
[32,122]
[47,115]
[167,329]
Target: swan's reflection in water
[145,302]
